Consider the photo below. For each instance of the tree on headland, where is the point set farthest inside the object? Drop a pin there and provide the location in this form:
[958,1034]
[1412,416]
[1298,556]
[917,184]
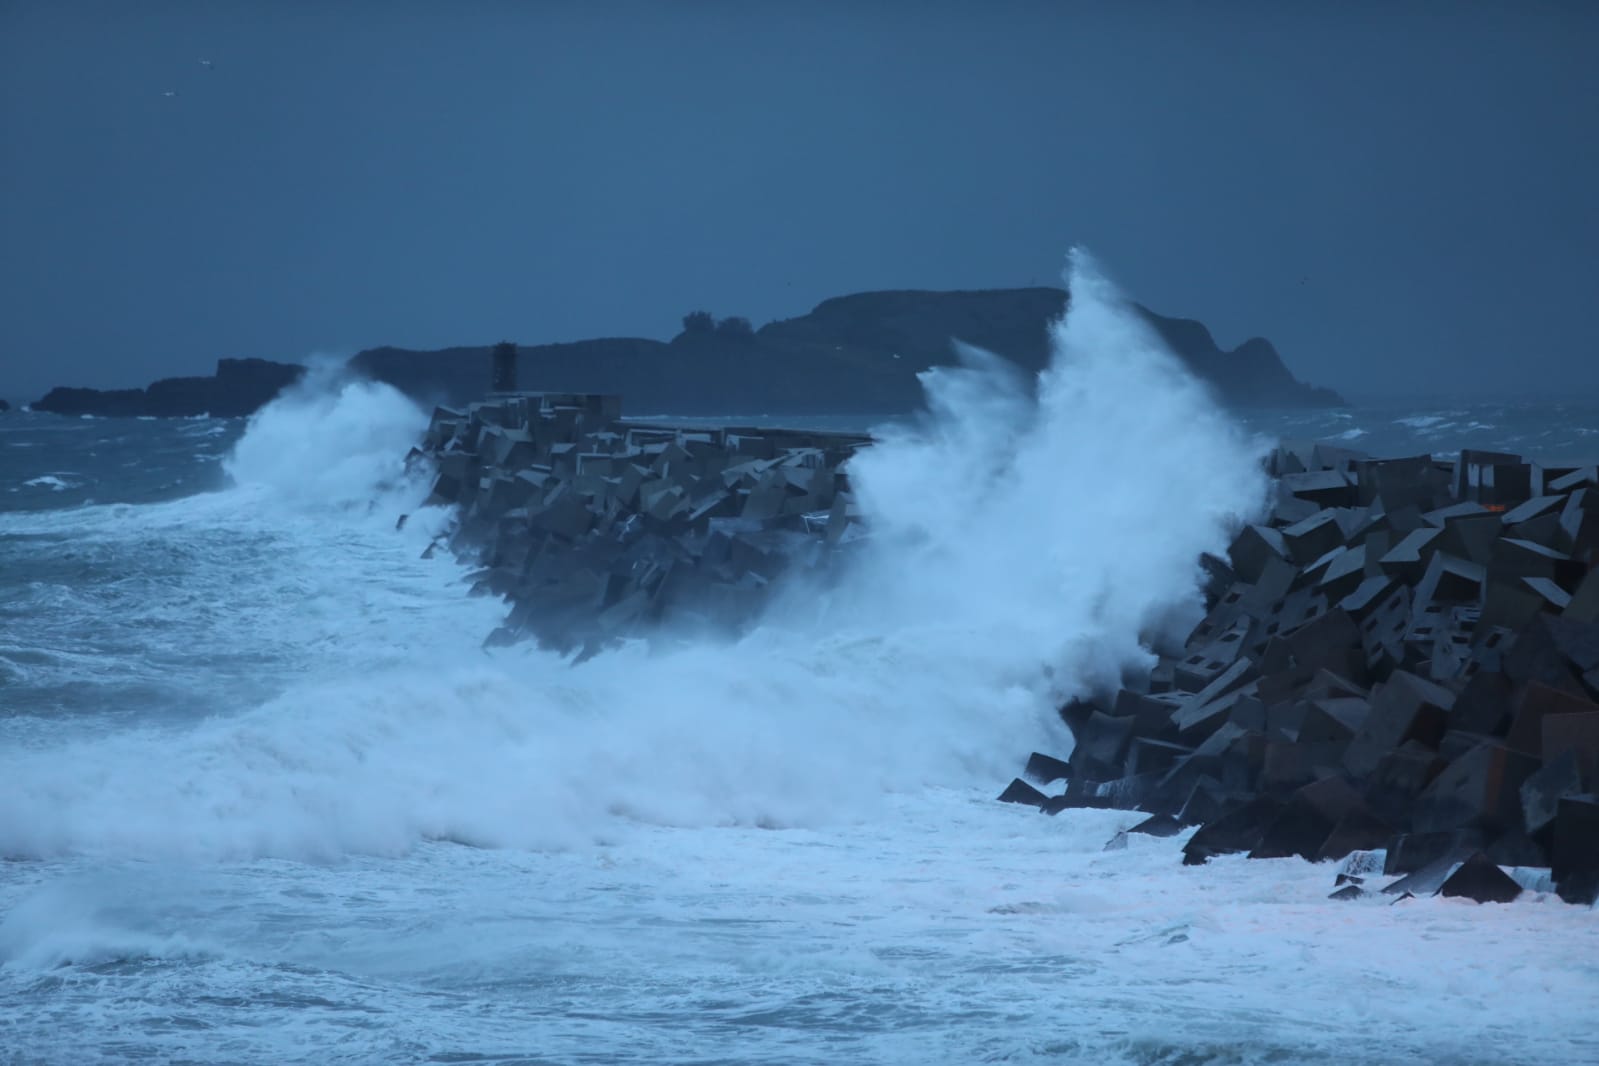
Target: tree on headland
[735,327]
[698,322]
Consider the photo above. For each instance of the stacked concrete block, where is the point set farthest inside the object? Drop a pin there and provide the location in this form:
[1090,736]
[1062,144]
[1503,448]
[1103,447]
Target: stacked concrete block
[595,528]
[1401,660]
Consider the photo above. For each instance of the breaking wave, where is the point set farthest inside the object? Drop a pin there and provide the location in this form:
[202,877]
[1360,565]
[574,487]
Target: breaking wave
[1026,536]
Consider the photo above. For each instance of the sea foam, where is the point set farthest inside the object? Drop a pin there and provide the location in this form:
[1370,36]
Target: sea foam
[1027,540]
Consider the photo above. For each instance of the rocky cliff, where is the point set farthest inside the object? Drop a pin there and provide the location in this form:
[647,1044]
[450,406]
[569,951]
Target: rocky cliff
[851,354]
[239,387]
[858,353]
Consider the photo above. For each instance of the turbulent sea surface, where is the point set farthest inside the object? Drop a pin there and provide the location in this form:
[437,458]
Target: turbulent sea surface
[265,799]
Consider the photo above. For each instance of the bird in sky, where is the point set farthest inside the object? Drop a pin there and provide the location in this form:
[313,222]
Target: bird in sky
[207,64]
[170,92]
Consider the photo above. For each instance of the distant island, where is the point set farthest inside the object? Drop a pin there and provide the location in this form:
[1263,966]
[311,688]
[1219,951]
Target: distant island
[239,387]
[851,354]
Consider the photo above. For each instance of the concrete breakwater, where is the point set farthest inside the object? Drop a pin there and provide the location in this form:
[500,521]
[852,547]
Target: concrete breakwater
[595,528]
[1398,669]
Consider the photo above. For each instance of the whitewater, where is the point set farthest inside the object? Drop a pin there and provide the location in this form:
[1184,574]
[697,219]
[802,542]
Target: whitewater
[265,797]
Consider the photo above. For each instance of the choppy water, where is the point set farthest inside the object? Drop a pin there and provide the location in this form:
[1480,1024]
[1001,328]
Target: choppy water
[265,799]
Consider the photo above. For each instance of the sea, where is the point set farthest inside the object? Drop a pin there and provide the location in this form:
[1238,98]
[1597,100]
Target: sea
[265,797]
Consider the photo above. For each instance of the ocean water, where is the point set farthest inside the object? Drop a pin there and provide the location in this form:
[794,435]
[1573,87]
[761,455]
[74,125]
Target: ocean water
[264,797]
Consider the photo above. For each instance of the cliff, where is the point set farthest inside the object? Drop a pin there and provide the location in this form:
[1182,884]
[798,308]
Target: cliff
[856,354]
[239,387]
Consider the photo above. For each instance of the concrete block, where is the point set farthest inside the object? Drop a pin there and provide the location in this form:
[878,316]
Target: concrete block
[1019,791]
[1127,793]
[1199,668]
[1409,853]
[1538,654]
[1343,574]
[1348,892]
[1326,684]
[1205,802]
[1534,704]
[1407,560]
[1306,820]
[1196,722]
[1542,792]
[1331,641]
[1577,735]
[1248,713]
[1236,676]
[1516,848]
[1253,548]
[1285,766]
[1451,654]
[1530,509]
[1545,529]
[1238,830]
[1102,743]
[1291,509]
[1285,717]
[1481,789]
[1399,777]
[1324,488]
[1158,825]
[1152,714]
[1406,708]
[1573,479]
[564,514]
[1415,481]
[1326,456]
[1450,579]
[1290,457]
[1046,769]
[1359,830]
[1574,850]
[1512,558]
[1381,608]
[1333,720]
[1584,603]
[1479,879]
[1146,756]
[1293,610]
[1484,705]
[1472,537]
[1491,477]
[1313,537]
[1055,804]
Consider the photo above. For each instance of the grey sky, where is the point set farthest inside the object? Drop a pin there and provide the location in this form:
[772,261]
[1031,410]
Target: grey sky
[1387,192]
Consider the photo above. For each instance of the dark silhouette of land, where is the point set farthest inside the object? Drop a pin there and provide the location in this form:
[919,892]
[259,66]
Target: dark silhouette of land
[851,354]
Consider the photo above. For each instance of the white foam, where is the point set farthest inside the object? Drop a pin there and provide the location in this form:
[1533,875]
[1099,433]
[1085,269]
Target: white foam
[1020,549]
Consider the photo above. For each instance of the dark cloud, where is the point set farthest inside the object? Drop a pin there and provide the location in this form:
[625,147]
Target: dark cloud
[1400,196]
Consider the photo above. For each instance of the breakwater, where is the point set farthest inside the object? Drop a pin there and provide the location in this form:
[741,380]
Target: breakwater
[1398,669]
[596,528]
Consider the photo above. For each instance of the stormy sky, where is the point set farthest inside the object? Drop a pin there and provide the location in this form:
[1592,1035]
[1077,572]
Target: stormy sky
[1401,196]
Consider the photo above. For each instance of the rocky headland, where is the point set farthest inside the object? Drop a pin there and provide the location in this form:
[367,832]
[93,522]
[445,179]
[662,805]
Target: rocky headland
[857,354]
[239,387]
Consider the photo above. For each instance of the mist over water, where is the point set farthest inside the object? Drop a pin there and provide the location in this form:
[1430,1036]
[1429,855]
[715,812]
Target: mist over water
[1020,546]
